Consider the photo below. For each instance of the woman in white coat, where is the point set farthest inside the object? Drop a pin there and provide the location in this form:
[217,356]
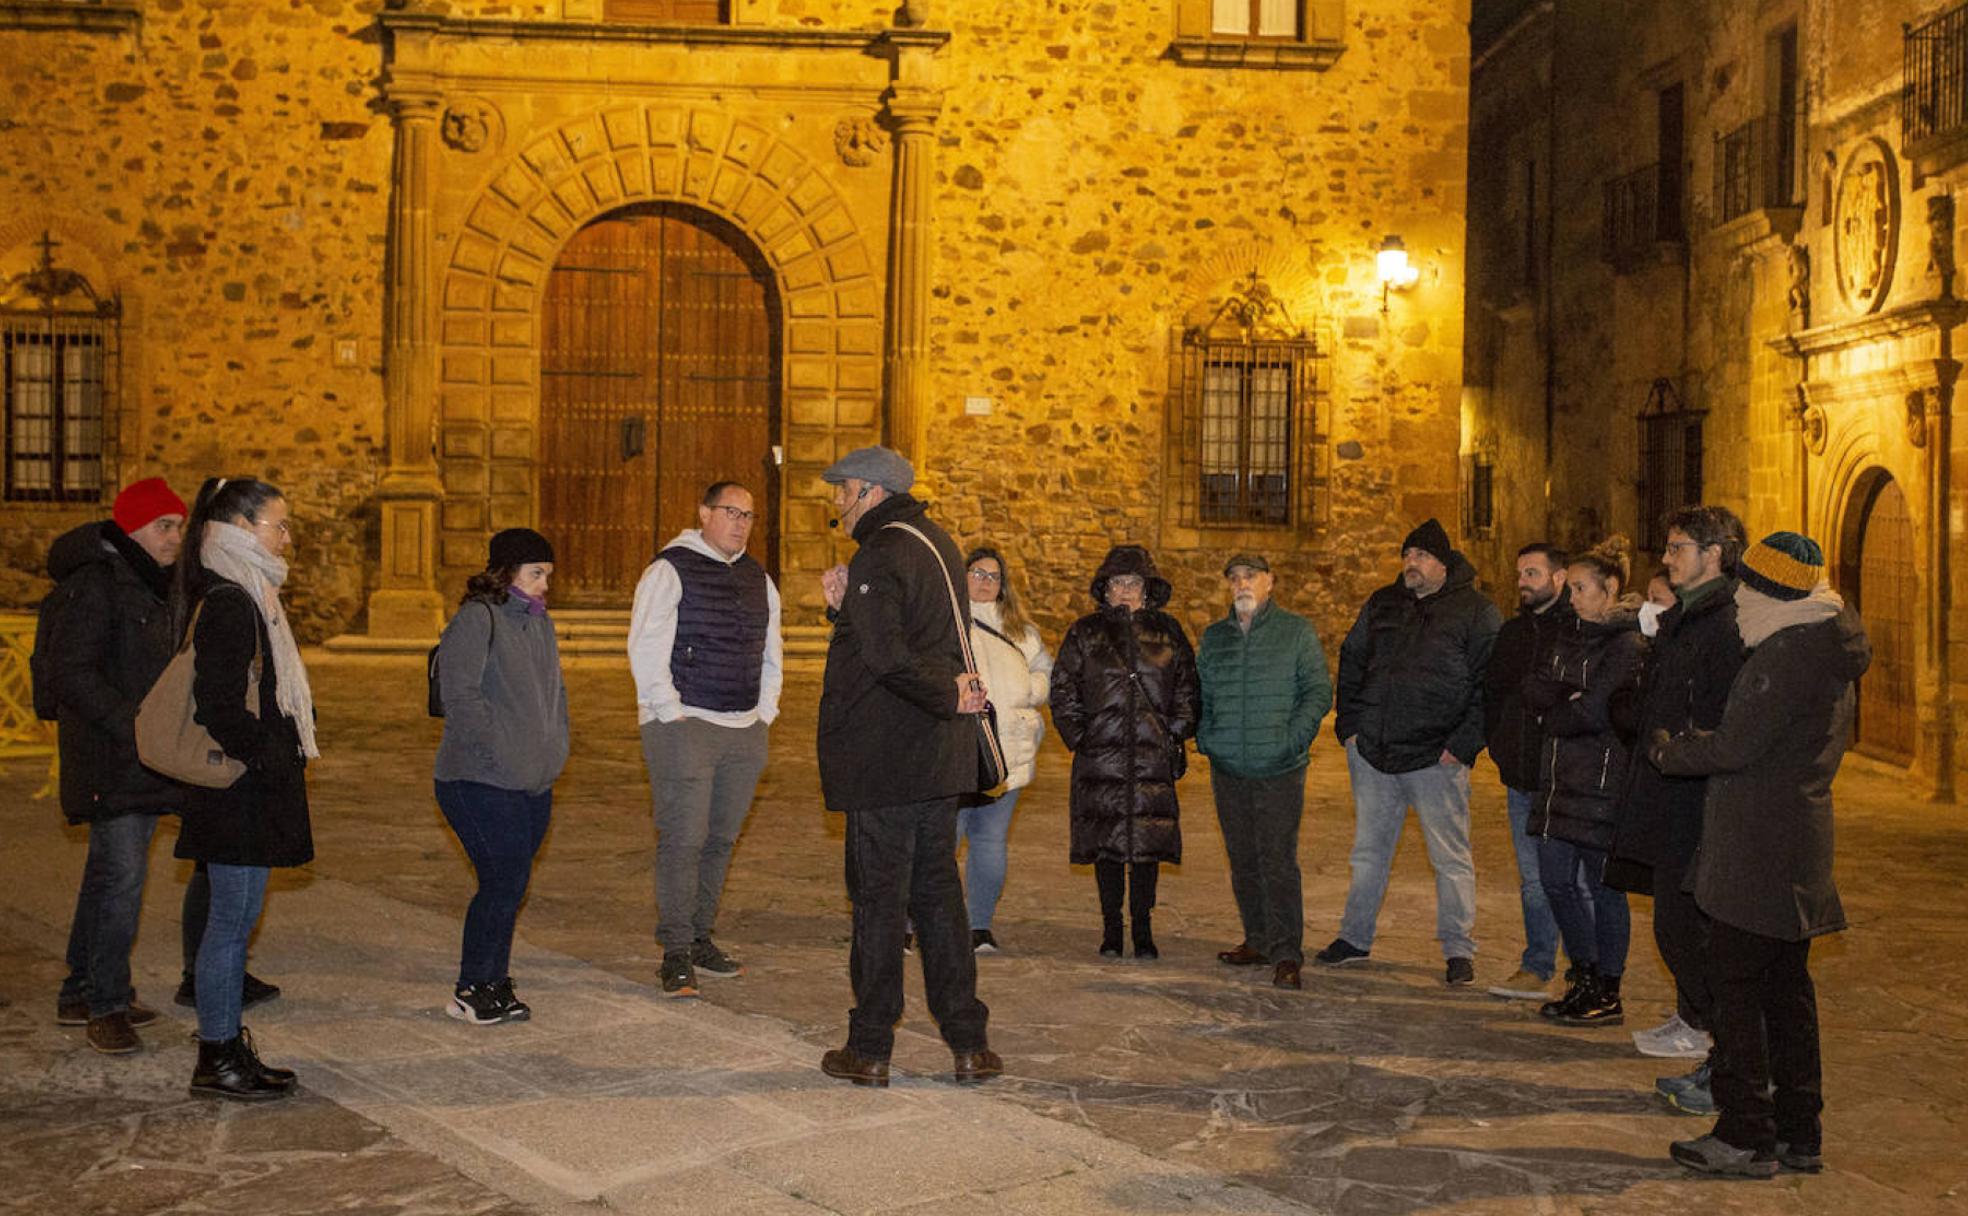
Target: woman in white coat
[1018,672]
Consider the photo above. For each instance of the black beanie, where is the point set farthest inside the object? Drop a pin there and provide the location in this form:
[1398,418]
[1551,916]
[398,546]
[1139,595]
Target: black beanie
[1431,539]
[518,547]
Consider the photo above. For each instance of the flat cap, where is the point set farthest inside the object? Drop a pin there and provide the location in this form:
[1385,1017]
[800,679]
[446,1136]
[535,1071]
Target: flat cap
[1254,562]
[877,466]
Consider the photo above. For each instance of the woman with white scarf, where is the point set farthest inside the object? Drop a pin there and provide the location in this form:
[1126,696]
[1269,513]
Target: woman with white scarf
[251,693]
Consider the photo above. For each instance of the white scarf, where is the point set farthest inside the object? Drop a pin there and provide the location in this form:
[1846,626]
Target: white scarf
[1759,615]
[232,552]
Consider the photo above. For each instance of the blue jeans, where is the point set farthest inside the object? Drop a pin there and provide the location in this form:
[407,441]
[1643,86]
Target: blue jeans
[1594,920]
[238,892]
[501,830]
[1440,797]
[986,827]
[106,912]
[1540,930]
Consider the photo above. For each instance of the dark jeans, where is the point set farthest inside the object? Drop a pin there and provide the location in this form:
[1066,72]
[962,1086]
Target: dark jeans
[1137,881]
[1260,818]
[107,908]
[1596,930]
[238,893]
[501,830]
[1681,934]
[1766,1032]
[902,865]
[197,906]
[701,777]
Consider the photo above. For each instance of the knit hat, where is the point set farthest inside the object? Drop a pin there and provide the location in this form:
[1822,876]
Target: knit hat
[1431,539]
[1783,566]
[878,466]
[144,502]
[518,547]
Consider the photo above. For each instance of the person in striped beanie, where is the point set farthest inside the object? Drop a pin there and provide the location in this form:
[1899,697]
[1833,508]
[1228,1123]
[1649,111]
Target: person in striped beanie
[1763,873]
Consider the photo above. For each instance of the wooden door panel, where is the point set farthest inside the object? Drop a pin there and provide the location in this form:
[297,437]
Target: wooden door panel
[1888,600]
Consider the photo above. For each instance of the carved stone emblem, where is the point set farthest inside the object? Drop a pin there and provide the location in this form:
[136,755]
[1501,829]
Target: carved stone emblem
[1816,427]
[860,141]
[1916,416]
[468,125]
[1800,286]
[1866,226]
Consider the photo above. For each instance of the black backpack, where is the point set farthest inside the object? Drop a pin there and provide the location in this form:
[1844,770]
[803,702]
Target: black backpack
[40,664]
[436,702]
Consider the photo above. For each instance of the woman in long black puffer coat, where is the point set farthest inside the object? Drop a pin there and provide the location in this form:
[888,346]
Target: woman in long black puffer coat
[1125,698]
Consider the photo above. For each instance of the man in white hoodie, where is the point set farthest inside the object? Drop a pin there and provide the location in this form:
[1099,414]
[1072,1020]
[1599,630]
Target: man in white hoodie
[705,649]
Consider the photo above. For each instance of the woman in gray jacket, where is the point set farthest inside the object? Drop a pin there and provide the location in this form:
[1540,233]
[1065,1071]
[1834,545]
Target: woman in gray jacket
[505,741]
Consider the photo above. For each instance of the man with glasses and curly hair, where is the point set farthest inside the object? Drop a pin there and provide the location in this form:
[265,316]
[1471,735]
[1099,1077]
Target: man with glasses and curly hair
[705,649]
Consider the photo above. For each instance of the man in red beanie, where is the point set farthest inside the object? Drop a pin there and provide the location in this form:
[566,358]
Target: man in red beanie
[103,640]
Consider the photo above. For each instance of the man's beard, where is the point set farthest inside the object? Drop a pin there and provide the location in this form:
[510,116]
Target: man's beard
[1527,598]
[1245,604]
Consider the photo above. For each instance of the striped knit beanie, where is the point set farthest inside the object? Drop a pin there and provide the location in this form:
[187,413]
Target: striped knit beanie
[1783,566]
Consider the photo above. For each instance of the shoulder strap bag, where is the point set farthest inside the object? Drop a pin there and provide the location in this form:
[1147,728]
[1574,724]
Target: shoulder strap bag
[434,704]
[169,738]
[992,770]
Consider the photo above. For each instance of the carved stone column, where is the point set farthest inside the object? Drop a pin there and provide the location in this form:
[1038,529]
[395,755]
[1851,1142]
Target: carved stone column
[407,603]
[912,114]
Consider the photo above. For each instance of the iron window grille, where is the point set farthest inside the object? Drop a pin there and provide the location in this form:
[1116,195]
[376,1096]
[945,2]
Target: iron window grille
[1247,387]
[59,359]
[1638,216]
[1755,167]
[1479,493]
[1670,460]
[1934,80]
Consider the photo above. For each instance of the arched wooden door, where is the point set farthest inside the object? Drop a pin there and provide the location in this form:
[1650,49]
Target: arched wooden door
[658,376]
[1878,575]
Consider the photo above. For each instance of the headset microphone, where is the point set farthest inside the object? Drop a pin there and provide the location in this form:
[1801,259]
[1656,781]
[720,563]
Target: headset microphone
[835,523]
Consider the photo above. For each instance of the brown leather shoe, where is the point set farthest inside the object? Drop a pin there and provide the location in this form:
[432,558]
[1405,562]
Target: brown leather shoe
[843,1063]
[975,1066]
[140,1014]
[1285,975]
[71,1013]
[111,1035]
[1242,956]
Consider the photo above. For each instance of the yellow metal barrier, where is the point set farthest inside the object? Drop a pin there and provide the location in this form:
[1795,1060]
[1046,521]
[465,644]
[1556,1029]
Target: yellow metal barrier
[22,735]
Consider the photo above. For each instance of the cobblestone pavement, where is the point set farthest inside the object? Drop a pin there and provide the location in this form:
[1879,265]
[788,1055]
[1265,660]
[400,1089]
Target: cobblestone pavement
[1376,1089]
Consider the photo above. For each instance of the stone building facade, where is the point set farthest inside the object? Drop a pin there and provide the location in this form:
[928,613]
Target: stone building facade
[1712,253]
[1106,270]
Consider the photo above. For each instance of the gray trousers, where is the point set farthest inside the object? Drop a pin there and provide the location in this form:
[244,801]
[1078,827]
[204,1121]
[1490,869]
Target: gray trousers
[701,779]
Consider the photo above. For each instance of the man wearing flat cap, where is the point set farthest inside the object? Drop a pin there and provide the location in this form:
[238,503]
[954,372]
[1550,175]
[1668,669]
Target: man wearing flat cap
[898,748]
[1265,690]
[1411,717]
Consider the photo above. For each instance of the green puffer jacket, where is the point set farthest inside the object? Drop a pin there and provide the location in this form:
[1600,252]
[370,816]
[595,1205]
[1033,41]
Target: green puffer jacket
[1264,693]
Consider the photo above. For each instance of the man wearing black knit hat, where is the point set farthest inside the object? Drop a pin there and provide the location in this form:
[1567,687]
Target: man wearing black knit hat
[1411,717]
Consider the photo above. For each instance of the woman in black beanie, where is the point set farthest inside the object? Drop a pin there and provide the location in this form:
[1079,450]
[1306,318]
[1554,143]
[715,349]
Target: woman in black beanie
[505,741]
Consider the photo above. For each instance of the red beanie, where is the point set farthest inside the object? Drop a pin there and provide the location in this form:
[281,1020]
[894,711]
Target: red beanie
[141,502]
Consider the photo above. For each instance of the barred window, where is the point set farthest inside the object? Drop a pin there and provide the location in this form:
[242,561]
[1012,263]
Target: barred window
[1255,18]
[1479,503]
[1670,460]
[704,12]
[58,351]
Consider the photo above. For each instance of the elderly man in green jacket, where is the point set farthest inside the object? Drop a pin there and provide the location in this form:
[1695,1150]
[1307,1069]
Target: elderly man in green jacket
[1265,688]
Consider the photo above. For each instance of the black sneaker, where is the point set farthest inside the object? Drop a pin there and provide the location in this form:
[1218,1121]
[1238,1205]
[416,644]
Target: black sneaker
[981,942]
[1340,953]
[516,1009]
[252,991]
[478,1004]
[678,976]
[1460,973]
[707,958]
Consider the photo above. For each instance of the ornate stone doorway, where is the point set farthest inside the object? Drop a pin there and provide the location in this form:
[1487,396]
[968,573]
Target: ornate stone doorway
[1878,574]
[659,375]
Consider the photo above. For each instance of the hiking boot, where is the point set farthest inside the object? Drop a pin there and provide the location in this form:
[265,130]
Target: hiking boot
[232,1070]
[1242,956]
[1523,985]
[1799,1158]
[1460,973]
[1340,953]
[1711,1155]
[678,976]
[1598,1003]
[111,1034]
[843,1063]
[1674,1039]
[708,959]
[252,991]
[981,942]
[482,1004]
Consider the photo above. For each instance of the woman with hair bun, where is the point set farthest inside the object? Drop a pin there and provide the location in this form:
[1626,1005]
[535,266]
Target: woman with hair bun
[228,595]
[1581,696]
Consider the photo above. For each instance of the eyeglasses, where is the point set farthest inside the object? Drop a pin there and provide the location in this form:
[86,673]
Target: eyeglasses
[986,576]
[1126,581]
[274,523]
[737,514]
[1675,546]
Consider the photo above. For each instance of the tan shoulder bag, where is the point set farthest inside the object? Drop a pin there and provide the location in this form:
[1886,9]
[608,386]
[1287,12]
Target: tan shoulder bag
[170,740]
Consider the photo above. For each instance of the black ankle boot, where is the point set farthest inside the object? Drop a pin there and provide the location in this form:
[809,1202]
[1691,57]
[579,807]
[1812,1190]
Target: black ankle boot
[231,1070]
[1598,1005]
[283,1077]
[1144,939]
[1582,978]
[1110,939]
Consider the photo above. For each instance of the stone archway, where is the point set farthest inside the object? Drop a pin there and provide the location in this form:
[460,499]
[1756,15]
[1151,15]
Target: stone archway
[489,297]
[1877,573]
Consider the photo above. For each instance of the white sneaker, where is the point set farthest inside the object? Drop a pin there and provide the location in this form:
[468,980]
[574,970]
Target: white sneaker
[1523,986]
[1674,1039]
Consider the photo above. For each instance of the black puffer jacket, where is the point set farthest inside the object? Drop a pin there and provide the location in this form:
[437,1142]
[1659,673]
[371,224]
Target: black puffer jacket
[1411,673]
[1585,756]
[1695,658]
[110,639]
[1515,739]
[890,733]
[262,820]
[1124,697]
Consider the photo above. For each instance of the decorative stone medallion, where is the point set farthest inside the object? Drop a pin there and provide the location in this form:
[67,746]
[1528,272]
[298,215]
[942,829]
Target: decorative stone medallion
[860,141]
[469,124]
[1866,225]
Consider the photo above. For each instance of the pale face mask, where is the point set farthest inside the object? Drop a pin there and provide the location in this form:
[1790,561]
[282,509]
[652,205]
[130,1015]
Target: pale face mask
[1650,617]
